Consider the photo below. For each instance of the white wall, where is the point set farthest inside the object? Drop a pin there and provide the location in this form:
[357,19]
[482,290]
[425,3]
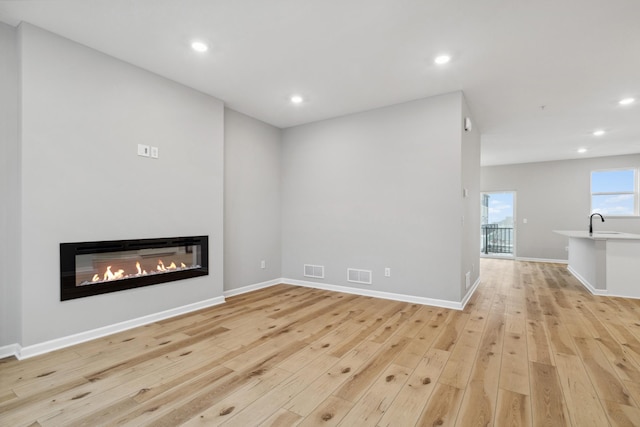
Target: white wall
[9,189]
[378,189]
[83,114]
[251,201]
[554,196]
[471,203]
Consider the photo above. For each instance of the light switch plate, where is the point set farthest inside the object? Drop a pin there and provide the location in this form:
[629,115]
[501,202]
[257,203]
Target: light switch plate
[154,152]
[143,150]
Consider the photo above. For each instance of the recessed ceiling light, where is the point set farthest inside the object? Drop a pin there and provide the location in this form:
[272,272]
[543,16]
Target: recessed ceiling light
[582,150]
[442,59]
[626,101]
[598,132]
[296,99]
[199,46]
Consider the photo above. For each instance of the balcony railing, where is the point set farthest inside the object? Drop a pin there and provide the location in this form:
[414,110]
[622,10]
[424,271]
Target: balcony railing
[497,240]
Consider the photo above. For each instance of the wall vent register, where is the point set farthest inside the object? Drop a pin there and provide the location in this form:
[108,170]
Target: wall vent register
[359,276]
[315,271]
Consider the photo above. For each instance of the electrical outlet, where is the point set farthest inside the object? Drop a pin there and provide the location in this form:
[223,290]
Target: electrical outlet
[387,272]
[263,264]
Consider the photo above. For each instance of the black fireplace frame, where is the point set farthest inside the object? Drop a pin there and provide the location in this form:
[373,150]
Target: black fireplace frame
[68,251]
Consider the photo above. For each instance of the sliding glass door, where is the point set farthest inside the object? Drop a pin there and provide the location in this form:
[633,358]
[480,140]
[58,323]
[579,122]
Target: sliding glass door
[497,233]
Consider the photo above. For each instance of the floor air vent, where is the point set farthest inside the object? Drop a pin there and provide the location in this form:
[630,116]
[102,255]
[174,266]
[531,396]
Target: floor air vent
[359,276]
[316,271]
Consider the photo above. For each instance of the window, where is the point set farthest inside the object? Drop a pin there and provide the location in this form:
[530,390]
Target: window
[614,192]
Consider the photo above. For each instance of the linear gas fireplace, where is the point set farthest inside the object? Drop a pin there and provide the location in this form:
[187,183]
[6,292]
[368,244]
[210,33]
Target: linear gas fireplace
[92,268]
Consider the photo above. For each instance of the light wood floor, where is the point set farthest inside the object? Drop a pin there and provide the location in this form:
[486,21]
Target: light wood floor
[531,348]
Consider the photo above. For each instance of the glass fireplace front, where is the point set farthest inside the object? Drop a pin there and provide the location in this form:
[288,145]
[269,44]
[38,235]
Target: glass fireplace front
[92,268]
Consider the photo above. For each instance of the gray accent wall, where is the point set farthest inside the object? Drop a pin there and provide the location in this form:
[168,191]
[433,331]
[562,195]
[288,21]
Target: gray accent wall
[379,189]
[251,201]
[10,322]
[554,196]
[82,115]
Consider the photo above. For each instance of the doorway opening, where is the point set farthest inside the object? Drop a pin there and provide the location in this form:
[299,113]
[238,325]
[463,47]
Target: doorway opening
[497,231]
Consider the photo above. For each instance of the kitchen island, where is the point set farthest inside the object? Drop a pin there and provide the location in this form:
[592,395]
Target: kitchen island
[606,263]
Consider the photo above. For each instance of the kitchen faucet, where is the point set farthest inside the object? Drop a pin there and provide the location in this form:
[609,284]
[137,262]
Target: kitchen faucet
[591,222]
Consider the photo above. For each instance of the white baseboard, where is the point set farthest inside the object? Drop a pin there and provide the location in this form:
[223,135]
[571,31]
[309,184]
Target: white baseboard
[586,284]
[358,291]
[377,294]
[470,292]
[56,344]
[254,287]
[621,296]
[9,350]
[552,261]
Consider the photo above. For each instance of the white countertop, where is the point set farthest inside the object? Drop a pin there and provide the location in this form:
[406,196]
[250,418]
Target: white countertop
[599,235]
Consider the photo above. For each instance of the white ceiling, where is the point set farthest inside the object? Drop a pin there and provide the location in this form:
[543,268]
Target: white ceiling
[577,58]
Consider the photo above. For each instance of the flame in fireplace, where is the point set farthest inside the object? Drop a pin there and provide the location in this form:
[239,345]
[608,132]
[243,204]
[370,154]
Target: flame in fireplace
[111,273]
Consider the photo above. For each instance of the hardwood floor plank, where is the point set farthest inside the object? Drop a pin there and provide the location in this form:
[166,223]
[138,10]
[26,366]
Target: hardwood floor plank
[220,379]
[538,344]
[626,339]
[458,369]
[372,324]
[368,410]
[414,325]
[320,389]
[14,372]
[225,408]
[7,395]
[17,408]
[453,329]
[333,339]
[391,326]
[634,390]
[411,399]
[432,329]
[411,355]
[277,398]
[608,386]
[442,408]
[514,370]
[547,401]
[140,383]
[513,409]
[479,401]
[282,418]
[202,401]
[559,337]
[104,416]
[582,400]
[622,415]
[360,380]
[329,413]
